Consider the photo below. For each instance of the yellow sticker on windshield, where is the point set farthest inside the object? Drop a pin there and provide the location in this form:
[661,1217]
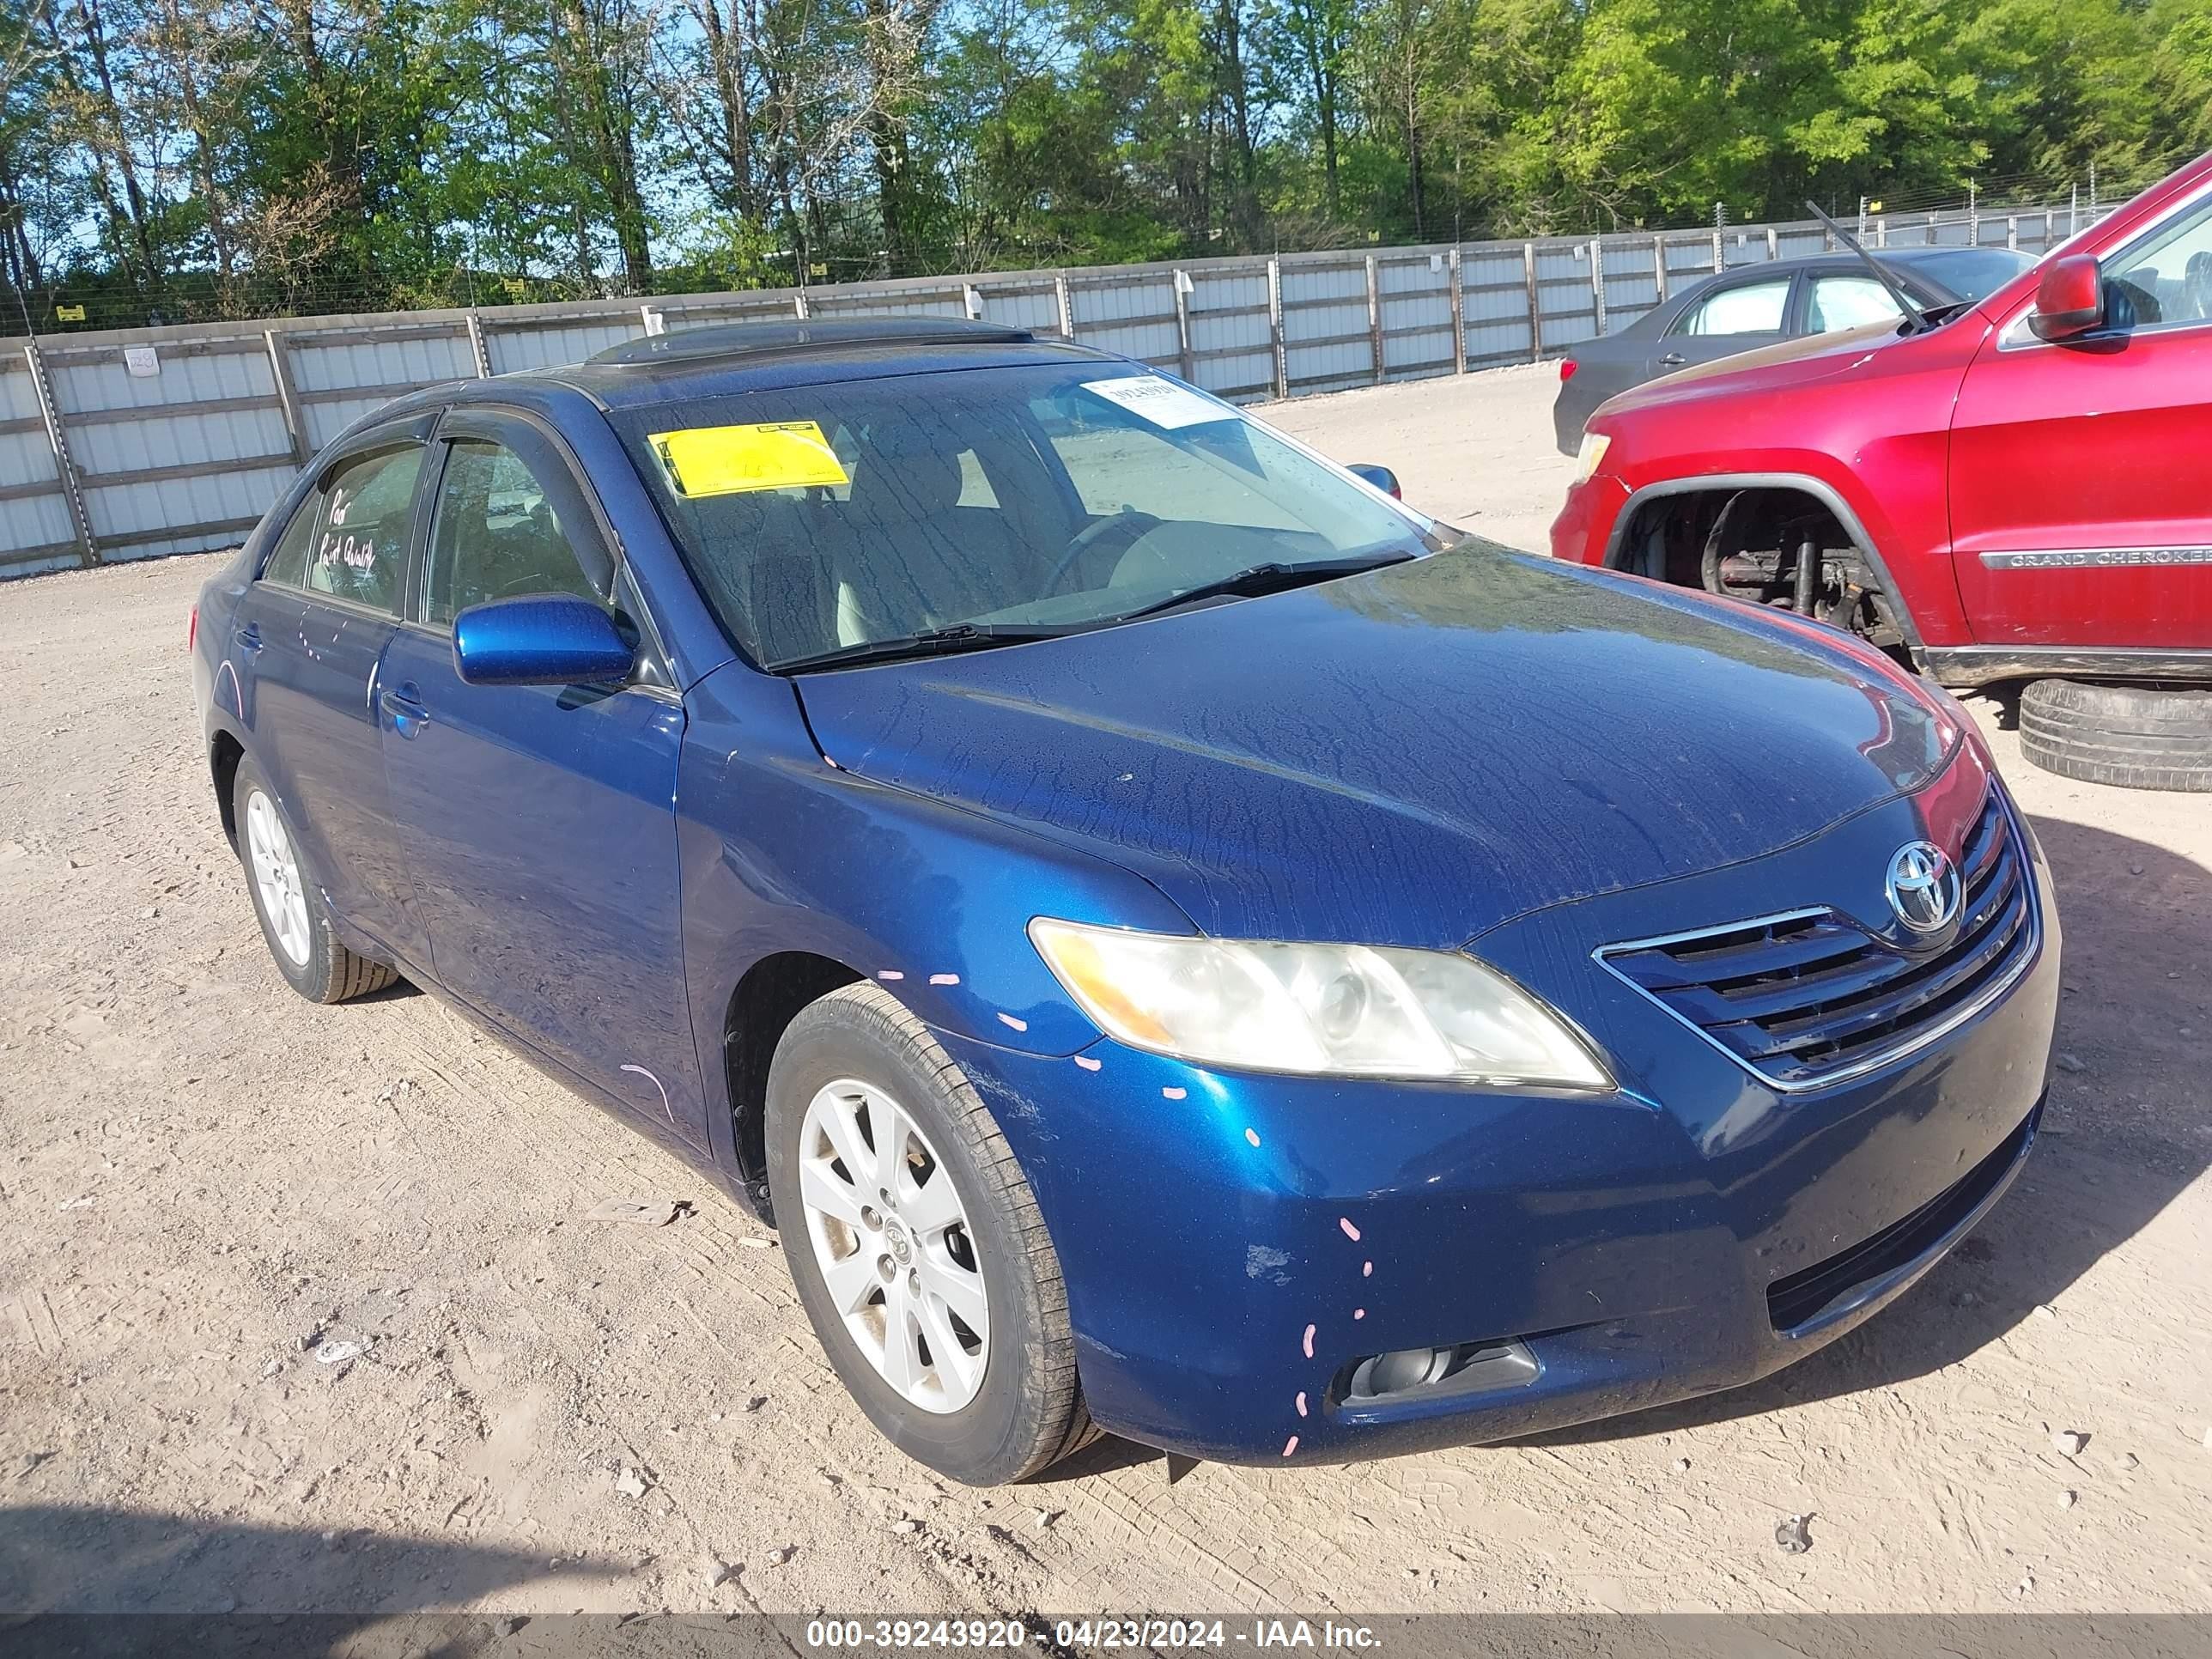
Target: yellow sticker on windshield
[725,460]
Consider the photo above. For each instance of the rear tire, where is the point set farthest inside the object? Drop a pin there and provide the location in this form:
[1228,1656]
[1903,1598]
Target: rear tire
[287,901]
[859,1048]
[2132,737]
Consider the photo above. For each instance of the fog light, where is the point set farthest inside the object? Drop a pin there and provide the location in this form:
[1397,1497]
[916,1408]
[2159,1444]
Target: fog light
[1395,1372]
[1468,1366]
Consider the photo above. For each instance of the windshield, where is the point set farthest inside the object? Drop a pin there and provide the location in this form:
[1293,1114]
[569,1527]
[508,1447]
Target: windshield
[1971,273]
[820,520]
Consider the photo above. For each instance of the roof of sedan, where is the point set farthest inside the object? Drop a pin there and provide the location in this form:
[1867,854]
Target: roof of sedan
[1840,256]
[737,358]
[1687,288]
[1844,259]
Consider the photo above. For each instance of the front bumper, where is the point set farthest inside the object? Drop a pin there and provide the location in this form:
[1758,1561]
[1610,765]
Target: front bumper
[1584,523]
[1234,1245]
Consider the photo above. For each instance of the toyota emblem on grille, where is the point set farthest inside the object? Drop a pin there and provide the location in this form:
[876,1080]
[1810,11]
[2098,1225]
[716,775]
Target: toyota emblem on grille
[1923,887]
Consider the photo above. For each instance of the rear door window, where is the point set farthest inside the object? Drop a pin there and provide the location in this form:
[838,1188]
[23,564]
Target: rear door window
[362,521]
[1746,308]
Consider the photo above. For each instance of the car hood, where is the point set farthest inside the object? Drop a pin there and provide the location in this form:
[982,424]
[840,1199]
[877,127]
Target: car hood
[1407,756]
[1769,368]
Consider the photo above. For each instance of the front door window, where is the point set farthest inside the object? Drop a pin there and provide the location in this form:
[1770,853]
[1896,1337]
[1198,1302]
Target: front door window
[2169,279]
[1840,302]
[497,536]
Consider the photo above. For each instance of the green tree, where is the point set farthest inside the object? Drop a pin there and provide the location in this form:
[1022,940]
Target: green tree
[187,157]
[2182,66]
[2071,84]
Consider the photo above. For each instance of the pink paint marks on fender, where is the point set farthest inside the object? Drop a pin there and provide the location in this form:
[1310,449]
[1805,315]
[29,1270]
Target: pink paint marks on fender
[1087,1063]
[1367,1270]
[657,1084]
[1175,1094]
[237,697]
[944,979]
[1349,1232]
[889,973]
[1359,1313]
[1302,1402]
[1290,1445]
[1017,1024]
[1310,1331]
[1252,1135]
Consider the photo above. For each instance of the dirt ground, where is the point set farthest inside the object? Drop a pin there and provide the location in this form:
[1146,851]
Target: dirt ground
[208,1187]
[1475,451]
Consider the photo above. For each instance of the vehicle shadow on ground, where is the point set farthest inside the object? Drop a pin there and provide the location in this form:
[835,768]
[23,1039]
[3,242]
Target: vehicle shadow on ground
[68,1560]
[1103,1456]
[2133,918]
[2003,699]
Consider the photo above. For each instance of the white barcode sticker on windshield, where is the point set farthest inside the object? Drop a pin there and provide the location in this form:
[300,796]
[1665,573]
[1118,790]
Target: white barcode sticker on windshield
[1163,403]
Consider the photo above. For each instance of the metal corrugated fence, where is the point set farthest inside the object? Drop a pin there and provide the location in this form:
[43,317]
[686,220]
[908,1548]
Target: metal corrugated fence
[133,443]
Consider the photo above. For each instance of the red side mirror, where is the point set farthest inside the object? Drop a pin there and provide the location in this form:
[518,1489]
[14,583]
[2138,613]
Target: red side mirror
[2069,298]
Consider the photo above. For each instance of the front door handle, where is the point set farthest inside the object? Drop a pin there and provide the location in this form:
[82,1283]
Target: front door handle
[407,714]
[1674,360]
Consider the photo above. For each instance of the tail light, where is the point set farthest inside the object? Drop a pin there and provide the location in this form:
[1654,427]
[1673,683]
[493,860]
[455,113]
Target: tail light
[192,630]
[1567,368]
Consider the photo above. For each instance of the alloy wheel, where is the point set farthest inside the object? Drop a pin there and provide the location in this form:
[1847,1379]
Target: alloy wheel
[894,1245]
[277,877]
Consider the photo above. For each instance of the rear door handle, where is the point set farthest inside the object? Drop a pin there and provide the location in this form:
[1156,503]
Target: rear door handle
[407,714]
[1674,360]
[249,637]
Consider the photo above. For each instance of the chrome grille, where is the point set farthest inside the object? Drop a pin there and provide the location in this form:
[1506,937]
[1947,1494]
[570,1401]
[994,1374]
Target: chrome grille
[1812,997]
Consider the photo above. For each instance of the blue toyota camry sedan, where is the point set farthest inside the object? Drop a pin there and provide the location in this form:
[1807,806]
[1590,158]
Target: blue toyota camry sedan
[1179,943]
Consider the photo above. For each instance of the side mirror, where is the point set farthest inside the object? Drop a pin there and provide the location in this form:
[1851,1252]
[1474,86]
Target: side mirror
[2069,298]
[541,639]
[1381,477]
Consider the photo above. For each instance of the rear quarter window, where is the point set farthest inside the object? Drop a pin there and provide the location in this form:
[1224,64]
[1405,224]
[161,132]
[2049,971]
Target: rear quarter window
[288,563]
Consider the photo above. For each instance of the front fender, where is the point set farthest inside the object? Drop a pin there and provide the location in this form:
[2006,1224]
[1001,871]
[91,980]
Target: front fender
[782,851]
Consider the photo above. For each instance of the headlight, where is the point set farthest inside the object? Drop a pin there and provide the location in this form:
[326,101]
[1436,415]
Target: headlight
[1595,444]
[1321,1010]
[1953,717]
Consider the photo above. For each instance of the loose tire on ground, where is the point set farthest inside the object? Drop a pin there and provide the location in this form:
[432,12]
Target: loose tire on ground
[1028,1411]
[314,963]
[2133,737]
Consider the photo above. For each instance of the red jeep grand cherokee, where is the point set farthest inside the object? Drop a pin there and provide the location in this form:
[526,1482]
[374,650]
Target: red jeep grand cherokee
[2008,489]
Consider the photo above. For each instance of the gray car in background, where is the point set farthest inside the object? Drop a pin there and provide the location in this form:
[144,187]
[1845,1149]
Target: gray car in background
[1754,306]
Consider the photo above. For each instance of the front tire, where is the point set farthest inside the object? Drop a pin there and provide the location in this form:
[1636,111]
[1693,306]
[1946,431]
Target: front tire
[916,1244]
[289,902]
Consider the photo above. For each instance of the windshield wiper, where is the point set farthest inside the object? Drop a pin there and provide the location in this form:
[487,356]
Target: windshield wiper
[1271,578]
[982,636]
[1914,322]
[933,642]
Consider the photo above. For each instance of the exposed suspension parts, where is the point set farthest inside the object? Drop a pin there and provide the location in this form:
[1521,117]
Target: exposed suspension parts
[1766,546]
